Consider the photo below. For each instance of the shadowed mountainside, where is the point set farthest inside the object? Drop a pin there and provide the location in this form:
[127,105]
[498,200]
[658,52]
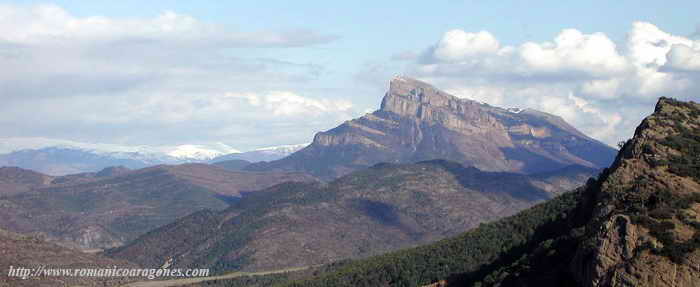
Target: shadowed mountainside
[385,207]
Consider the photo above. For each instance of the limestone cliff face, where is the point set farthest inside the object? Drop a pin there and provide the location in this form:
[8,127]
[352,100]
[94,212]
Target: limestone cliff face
[645,228]
[414,99]
[416,121]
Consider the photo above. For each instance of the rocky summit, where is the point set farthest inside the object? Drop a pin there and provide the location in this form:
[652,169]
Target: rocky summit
[418,122]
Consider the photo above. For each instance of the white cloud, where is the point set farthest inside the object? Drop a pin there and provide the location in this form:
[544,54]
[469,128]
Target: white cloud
[457,45]
[603,87]
[289,104]
[155,80]
[50,23]
[647,48]
[573,51]
[485,94]
[684,58]
[608,120]
[647,44]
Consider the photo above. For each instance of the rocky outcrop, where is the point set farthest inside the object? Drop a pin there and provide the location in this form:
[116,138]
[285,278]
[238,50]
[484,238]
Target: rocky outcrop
[644,230]
[416,122]
[615,244]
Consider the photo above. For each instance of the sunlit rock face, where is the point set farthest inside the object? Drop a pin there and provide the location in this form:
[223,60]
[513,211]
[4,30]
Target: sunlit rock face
[417,121]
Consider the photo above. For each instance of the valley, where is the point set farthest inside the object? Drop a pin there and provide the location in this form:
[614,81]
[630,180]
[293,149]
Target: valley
[384,213]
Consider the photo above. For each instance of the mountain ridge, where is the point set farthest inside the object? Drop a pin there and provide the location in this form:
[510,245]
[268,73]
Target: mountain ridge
[66,157]
[418,122]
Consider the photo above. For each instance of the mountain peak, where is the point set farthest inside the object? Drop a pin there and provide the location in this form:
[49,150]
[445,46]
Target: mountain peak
[402,81]
[418,122]
[405,96]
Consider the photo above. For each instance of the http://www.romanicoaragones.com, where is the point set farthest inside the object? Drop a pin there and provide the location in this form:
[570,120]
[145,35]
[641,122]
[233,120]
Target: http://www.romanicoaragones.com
[41,271]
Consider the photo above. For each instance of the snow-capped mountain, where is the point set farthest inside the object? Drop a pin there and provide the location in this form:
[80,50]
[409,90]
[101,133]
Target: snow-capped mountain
[263,154]
[283,150]
[59,157]
[197,152]
[163,153]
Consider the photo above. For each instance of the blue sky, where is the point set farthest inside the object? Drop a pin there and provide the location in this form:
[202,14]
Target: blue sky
[374,31]
[508,19]
[225,69]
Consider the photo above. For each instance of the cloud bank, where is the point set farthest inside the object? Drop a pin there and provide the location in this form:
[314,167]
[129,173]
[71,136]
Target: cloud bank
[168,79]
[602,87]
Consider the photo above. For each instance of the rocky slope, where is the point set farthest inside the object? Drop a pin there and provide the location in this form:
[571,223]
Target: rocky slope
[108,208]
[638,224]
[382,208]
[419,122]
[645,228]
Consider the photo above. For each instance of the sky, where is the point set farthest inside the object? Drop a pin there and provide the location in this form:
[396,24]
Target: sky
[250,75]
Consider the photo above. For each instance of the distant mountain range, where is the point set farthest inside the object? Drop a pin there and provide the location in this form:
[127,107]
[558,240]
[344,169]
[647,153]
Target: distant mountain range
[418,122]
[262,154]
[56,157]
